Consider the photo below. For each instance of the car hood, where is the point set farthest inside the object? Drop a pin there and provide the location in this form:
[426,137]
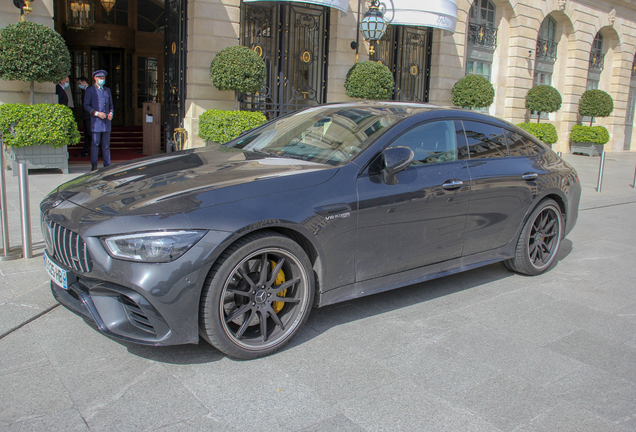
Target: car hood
[187,180]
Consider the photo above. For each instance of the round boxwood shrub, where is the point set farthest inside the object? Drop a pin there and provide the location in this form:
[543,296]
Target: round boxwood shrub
[546,132]
[43,124]
[223,126]
[596,103]
[473,91]
[238,68]
[543,98]
[369,80]
[33,52]
[593,134]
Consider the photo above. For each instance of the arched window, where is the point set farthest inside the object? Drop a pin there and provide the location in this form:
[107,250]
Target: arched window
[546,42]
[482,38]
[597,59]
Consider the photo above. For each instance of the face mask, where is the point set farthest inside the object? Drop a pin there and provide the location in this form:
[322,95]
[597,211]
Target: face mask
[83,87]
[65,85]
[101,82]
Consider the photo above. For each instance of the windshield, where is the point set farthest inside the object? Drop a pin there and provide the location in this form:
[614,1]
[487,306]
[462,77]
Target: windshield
[330,135]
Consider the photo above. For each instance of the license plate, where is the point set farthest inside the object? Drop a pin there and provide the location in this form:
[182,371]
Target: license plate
[57,273]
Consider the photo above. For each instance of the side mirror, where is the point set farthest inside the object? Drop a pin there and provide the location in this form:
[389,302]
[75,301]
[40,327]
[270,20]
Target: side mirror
[396,159]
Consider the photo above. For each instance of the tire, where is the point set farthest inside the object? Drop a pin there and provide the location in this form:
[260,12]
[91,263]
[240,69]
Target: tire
[257,296]
[539,241]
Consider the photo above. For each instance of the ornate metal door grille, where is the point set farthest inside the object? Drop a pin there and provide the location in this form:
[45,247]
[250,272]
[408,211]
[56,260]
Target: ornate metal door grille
[174,70]
[407,52]
[293,42]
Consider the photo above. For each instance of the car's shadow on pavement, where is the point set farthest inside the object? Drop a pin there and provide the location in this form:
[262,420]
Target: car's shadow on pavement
[489,278]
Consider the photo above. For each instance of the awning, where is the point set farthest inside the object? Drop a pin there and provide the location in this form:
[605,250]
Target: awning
[342,5]
[441,14]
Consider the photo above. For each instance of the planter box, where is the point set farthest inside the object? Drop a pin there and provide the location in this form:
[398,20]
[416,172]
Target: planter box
[587,148]
[38,157]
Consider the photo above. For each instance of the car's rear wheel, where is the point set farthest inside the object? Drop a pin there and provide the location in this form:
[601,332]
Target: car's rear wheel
[257,296]
[539,241]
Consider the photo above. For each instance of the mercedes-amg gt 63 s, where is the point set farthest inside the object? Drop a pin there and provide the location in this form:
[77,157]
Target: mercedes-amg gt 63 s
[237,243]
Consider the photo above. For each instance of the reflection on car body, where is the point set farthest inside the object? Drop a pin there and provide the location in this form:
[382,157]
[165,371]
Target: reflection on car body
[237,243]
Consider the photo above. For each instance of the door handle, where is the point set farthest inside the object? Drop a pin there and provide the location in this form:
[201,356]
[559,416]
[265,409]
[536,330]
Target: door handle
[332,209]
[530,176]
[452,184]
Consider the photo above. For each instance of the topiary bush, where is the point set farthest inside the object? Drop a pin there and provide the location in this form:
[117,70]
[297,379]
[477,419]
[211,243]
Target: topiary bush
[595,103]
[546,132]
[223,126]
[33,52]
[593,134]
[238,68]
[369,80]
[473,91]
[43,124]
[543,99]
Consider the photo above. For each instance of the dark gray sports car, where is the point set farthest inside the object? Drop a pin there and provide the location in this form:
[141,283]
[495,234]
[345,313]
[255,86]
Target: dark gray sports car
[237,243]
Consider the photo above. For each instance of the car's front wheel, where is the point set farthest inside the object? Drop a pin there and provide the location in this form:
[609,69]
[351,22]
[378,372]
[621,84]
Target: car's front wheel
[539,241]
[257,296]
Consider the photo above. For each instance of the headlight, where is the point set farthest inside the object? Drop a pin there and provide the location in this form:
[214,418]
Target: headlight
[164,246]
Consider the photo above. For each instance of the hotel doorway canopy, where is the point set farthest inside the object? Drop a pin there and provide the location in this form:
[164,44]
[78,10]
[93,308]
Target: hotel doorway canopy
[441,14]
[341,5]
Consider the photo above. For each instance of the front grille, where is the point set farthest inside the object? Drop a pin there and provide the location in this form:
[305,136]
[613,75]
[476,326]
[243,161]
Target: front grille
[136,315]
[69,248]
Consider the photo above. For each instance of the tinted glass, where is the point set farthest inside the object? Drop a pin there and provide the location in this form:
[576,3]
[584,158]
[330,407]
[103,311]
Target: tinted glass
[431,142]
[329,135]
[485,141]
[520,145]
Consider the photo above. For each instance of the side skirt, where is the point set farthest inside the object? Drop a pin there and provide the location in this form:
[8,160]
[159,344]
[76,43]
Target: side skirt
[418,275]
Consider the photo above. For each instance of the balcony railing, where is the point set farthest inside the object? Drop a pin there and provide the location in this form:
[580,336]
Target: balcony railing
[482,36]
[546,49]
[596,61]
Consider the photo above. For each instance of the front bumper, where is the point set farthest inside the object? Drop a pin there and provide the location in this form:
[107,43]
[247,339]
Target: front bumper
[146,303]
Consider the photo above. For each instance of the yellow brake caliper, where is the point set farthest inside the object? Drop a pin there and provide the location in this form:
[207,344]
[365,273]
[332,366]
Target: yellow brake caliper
[280,278]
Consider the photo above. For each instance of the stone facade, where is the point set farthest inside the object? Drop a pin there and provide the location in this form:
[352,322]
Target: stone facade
[215,24]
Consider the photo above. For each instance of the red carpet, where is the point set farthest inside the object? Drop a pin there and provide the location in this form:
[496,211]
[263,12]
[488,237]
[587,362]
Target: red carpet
[126,143]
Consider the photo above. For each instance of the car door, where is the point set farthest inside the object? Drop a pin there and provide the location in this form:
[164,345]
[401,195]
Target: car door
[420,220]
[503,185]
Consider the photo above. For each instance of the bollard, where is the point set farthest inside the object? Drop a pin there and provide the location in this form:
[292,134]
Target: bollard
[634,184]
[25,211]
[7,254]
[601,166]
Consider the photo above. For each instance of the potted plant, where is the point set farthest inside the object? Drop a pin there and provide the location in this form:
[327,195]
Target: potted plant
[34,134]
[546,132]
[369,80]
[590,139]
[34,52]
[238,68]
[473,91]
[219,126]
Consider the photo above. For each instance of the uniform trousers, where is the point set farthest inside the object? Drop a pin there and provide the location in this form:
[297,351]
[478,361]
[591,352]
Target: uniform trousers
[103,139]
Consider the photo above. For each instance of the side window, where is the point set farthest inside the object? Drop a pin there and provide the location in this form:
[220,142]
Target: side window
[431,142]
[485,141]
[521,145]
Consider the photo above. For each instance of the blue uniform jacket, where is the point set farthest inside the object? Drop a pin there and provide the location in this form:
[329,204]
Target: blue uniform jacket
[98,100]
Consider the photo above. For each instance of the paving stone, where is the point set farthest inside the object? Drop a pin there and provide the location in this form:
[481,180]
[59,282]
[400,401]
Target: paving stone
[31,393]
[610,397]
[506,353]
[68,421]
[567,417]
[20,350]
[338,423]
[505,401]
[610,356]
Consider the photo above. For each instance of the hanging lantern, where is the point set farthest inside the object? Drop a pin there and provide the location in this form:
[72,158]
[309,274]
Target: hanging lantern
[108,5]
[373,25]
[80,14]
